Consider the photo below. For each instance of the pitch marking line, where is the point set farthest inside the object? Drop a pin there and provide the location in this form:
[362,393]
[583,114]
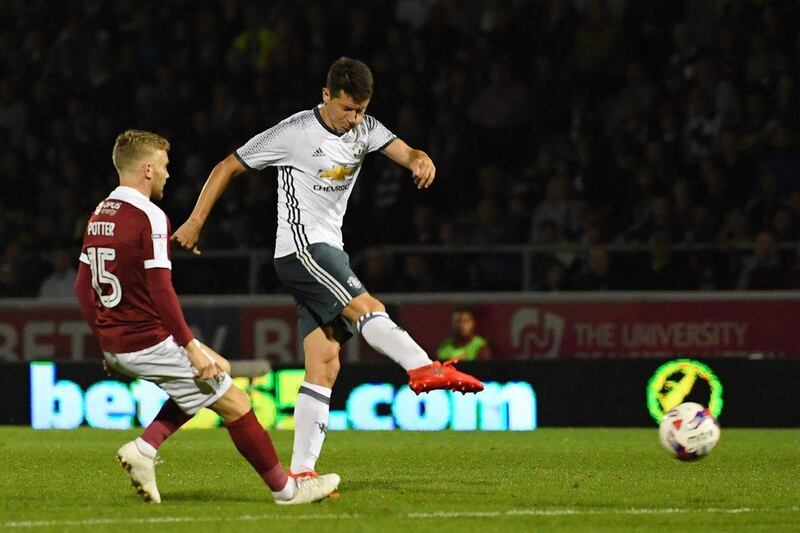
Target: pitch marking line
[174,520]
[585,512]
[346,516]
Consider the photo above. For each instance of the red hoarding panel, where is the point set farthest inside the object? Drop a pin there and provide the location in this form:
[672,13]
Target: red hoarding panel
[44,333]
[571,329]
[732,328]
[269,332]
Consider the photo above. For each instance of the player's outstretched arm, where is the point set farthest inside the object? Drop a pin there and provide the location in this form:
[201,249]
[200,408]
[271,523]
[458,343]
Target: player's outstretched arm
[421,166]
[189,233]
[165,301]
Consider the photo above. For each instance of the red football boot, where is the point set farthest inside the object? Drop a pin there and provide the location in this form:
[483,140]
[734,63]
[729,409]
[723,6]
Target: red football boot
[442,376]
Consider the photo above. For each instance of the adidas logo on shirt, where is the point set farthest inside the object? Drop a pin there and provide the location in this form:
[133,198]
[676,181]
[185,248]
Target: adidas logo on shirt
[318,153]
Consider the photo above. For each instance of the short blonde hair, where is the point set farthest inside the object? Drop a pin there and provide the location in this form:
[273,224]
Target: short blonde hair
[133,145]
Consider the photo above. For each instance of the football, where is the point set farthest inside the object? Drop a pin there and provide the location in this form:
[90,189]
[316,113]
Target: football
[689,431]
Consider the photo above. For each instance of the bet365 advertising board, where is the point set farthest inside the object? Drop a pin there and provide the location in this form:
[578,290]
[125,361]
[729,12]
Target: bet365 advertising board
[519,395]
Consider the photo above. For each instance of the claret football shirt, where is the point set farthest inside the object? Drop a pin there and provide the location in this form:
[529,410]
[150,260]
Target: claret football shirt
[126,235]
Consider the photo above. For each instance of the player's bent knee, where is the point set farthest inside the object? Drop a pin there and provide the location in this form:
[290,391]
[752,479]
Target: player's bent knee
[322,353]
[372,304]
[322,364]
[361,305]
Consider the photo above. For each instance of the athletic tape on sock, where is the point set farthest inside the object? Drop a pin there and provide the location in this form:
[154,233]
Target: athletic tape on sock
[369,316]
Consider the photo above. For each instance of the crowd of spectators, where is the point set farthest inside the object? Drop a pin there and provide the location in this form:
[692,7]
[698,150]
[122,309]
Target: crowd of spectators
[591,122]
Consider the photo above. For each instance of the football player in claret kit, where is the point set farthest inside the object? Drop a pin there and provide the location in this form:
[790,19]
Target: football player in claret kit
[318,154]
[124,287]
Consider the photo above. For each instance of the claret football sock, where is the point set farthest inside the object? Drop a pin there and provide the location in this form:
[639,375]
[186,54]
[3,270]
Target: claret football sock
[168,420]
[310,426]
[256,446]
[391,340]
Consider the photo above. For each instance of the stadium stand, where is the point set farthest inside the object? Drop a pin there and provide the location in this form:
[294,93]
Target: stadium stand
[633,145]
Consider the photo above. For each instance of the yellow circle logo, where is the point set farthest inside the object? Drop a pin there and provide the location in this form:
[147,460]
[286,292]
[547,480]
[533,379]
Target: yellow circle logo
[673,381]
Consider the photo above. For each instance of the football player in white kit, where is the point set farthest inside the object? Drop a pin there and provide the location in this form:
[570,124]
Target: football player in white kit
[318,153]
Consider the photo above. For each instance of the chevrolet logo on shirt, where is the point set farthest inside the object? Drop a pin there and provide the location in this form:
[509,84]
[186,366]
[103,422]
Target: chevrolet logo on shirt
[338,173]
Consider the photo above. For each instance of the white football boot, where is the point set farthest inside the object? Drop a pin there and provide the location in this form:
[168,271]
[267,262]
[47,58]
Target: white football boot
[312,489]
[142,470]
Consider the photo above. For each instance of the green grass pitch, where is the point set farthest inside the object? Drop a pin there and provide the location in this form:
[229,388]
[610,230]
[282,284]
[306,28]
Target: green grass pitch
[552,479]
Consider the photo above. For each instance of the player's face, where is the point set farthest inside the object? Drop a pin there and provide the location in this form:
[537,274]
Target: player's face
[157,172]
[343,112]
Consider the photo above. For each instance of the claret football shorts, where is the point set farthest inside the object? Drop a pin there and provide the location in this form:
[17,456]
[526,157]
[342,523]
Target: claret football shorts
[167,365]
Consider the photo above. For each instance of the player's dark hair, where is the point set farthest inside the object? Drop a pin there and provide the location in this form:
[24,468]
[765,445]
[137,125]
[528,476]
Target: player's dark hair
[351,76]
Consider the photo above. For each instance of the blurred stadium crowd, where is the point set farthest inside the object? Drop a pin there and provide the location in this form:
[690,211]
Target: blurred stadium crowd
[593,122]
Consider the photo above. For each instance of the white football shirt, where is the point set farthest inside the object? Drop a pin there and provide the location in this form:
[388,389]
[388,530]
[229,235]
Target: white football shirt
[317,170]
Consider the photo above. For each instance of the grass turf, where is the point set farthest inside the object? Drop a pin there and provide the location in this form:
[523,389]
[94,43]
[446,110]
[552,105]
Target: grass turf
[567,479]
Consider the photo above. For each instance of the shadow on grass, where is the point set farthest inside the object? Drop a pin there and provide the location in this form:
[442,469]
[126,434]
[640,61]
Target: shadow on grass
[216,496]
[378,484]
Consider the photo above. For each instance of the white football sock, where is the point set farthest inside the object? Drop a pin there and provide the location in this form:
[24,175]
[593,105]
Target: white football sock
[310,426]
[287,492]
[145,448]
[391,340]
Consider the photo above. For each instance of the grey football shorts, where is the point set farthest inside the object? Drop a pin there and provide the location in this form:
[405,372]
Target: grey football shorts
[322,283]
